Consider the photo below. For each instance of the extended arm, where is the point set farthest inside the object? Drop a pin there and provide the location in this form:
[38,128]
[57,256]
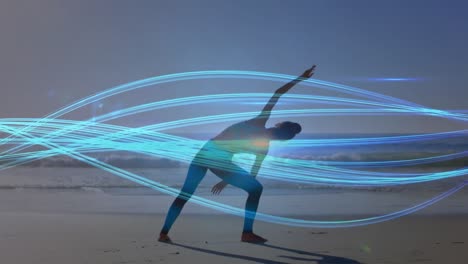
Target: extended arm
[265,114]
[217,188]
[257,165]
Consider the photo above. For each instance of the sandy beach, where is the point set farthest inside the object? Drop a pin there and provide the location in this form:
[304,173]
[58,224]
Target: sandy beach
[86,227]
[352,115]
[109,238]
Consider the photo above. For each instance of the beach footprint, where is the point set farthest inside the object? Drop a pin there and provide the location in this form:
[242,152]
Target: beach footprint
[111,250]
[318,233]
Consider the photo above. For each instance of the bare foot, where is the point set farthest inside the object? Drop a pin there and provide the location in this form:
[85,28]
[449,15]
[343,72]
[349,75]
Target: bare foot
[252,238]
[164,238]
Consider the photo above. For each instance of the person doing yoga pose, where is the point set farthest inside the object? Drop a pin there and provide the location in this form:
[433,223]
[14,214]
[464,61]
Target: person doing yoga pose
[249,136]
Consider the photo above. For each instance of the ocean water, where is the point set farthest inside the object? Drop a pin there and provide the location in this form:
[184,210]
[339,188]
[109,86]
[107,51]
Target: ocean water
[88,190]
[95,180]
[63,173]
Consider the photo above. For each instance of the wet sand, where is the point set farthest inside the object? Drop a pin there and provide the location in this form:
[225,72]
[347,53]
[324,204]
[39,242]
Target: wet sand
[28,237]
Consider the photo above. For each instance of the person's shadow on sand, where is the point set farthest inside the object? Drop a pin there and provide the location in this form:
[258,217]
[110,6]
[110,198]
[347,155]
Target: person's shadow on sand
[317,258]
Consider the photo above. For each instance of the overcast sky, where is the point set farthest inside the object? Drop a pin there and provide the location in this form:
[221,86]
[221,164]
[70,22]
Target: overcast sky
[55,52]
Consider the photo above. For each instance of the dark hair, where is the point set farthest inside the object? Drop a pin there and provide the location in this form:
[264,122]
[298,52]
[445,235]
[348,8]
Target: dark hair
[286,130]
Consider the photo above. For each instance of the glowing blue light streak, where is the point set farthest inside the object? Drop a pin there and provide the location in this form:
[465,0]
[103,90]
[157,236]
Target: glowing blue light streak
[74,138]
[394,79]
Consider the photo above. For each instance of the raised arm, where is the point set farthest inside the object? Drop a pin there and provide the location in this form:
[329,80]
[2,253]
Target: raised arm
[265,114]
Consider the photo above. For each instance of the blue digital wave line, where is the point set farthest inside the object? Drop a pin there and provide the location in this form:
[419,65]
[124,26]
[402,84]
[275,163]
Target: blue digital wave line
[75,138]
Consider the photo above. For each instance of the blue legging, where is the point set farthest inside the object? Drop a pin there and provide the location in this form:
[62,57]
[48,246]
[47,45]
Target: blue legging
[231,174]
